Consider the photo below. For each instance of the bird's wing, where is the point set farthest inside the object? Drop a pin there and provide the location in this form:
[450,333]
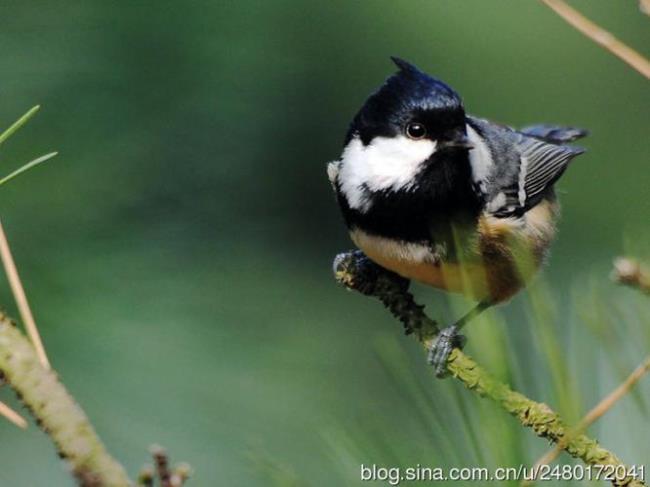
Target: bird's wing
[515,170]
[554,134]
[540,165]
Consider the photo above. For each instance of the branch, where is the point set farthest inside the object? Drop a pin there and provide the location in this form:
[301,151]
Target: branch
[600,36]
[56,411]
[597,412]
[356,272]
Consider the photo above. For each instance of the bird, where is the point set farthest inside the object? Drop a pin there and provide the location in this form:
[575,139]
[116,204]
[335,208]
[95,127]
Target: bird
[448,199]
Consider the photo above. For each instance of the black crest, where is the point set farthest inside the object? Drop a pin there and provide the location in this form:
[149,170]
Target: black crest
[407,94]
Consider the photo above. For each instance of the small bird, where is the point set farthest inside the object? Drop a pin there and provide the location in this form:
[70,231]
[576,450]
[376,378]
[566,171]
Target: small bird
[448,199]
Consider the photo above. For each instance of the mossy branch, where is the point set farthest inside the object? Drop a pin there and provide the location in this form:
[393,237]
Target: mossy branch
[56,411]
[26,369]
[356,272]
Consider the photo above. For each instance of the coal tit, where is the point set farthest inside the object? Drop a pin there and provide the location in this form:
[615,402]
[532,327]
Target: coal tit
[448,199]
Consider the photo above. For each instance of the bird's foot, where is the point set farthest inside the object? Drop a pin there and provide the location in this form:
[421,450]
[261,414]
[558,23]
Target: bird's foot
[356,271]
[445,342]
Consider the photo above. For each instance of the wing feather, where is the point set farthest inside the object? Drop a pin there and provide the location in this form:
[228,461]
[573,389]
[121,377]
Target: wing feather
[554,134]
[515,170]
[540,166]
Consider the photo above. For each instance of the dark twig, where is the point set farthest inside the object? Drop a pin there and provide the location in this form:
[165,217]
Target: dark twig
[160,471]
[162,465]
[355,271]
[146,476]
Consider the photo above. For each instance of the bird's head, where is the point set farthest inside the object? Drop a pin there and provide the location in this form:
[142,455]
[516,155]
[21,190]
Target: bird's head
[407,124]
[413,105]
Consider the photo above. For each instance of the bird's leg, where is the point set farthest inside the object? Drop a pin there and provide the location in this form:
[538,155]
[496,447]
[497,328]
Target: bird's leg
[450,338]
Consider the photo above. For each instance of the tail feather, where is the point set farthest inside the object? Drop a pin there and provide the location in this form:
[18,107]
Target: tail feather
[554,134]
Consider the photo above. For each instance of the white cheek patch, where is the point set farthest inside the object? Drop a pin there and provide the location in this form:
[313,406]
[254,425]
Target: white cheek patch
[385,163]
[480,158]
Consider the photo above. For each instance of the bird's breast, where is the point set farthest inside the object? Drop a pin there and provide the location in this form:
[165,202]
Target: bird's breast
[421,263]
[500,256]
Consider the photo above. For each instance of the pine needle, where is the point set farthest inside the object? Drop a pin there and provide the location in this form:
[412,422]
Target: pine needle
[18,123]
[27,167]
[21,299]
[595,413]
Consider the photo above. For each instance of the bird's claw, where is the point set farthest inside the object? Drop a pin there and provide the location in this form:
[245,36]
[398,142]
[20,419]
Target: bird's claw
[445,342]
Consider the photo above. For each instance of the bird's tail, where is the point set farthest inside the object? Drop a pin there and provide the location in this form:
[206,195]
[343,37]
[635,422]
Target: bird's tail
[554,134]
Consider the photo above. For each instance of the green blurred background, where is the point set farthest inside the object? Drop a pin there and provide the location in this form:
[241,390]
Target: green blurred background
[177,252]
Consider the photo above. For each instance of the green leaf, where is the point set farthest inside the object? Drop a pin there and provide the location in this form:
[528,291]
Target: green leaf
[18,123]
[27,167]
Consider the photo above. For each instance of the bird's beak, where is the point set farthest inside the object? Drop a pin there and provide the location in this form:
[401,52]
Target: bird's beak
[459,141]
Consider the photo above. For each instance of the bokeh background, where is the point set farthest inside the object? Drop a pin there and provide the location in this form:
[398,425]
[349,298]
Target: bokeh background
[177,252]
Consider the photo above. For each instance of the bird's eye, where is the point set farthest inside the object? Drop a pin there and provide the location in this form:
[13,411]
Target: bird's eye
[415,131]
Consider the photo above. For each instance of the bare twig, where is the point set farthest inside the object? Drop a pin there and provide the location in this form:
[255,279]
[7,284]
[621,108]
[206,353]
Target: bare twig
[600,36]
[12,416]
[595,414]
[21,298]
[357,272]
[631,273]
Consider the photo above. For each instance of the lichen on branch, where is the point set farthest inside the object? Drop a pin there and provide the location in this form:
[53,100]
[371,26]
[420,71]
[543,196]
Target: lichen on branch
[56,411]
[356,272]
